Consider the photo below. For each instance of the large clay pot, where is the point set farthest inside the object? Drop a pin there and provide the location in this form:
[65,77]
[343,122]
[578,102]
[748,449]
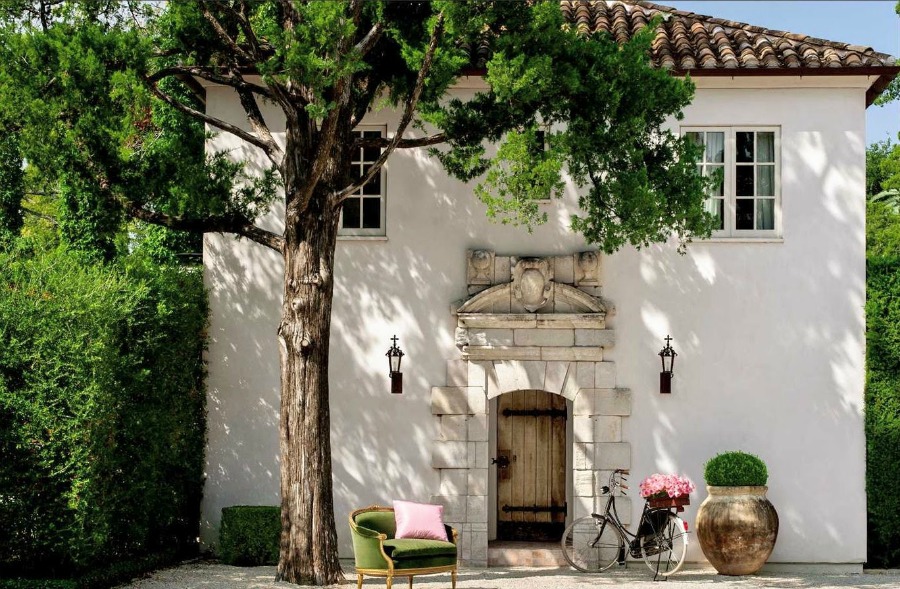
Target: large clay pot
[737,527]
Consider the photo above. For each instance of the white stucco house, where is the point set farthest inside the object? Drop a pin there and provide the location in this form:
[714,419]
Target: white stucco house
[767,318]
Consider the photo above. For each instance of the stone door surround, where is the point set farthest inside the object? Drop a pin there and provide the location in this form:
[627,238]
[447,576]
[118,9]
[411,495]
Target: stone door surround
[555,345]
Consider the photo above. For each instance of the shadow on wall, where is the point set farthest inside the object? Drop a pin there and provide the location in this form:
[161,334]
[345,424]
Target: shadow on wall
[771,345]
[243,387]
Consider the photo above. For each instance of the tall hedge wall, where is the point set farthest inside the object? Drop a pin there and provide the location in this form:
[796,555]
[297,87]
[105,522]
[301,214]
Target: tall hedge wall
[883,409]
[102,419]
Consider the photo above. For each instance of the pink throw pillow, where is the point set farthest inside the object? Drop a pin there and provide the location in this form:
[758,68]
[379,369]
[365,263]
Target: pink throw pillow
[419,520]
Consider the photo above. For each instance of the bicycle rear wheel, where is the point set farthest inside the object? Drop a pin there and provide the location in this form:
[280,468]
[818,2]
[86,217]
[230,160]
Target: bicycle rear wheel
[664,551]
[592,545]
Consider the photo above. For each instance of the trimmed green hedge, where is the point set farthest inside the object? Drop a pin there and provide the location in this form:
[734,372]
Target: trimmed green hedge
[250,535]
[102,413]
[883,409]
[735,469]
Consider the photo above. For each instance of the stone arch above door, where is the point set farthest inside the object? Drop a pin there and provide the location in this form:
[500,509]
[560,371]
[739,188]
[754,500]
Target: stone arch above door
[555,345]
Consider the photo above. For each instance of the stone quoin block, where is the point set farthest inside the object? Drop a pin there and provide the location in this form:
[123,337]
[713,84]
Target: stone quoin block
[612,455]
[450,400]
[603,338]
[605,375]
[453,428]
[612,402]
[608,429]
[476,508]
[555,376]
[477,401]
[490,337]
[582,429]
[545,337]
[477,483]
[584,483]
[449,455]
[583,456]
[584,403]
[478,428]
[454,507]
[454,481]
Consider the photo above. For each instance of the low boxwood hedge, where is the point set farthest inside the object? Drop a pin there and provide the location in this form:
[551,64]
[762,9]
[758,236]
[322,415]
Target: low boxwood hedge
[735,469]
[250,535]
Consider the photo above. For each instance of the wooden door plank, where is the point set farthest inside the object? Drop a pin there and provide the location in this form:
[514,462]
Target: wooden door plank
[504,442]
[558,459]
[543,471]
[518,485]
[529,468]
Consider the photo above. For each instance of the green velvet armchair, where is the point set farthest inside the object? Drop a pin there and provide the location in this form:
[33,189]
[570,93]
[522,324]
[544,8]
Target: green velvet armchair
[378,553]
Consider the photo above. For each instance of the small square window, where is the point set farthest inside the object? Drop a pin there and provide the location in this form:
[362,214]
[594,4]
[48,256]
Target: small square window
[363,213]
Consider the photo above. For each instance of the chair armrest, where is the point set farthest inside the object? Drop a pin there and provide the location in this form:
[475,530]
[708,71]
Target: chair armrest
[368,550]
[452,534]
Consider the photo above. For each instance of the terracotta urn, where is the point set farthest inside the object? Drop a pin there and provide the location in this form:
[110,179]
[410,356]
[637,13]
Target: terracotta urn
[737,527]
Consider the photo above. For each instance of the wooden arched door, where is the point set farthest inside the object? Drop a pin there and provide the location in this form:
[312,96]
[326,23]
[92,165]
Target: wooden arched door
[531,466]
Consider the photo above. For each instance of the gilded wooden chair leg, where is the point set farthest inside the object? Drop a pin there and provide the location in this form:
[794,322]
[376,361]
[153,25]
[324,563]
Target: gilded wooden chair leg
[390,581]
[410,581]
[359,579]
[453,579]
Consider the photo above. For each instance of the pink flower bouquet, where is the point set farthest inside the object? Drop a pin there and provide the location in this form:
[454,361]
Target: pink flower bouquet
[660,486]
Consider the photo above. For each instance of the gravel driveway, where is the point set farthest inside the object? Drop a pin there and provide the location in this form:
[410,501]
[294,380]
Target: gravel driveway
[208,575]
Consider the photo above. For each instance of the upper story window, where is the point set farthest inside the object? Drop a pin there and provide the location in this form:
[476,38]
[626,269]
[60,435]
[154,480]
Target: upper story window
[746,162]
[363,212]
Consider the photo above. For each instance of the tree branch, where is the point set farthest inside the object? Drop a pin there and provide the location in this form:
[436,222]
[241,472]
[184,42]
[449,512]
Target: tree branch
[236,224]
[411,103]
[366,43]
[211,75]
[223,34]
[269,147]
[403,143]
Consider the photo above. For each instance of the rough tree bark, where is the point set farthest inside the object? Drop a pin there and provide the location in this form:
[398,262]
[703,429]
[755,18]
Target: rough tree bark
[309,551]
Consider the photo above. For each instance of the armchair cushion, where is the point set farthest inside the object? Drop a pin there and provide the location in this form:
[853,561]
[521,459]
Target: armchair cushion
[406,548]
[378,521]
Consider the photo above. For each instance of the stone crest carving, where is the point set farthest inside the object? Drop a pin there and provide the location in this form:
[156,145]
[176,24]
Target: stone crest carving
[479,267]
[587,269]
[532,282]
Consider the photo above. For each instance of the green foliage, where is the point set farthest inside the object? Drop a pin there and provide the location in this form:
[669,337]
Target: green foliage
[882,168]
[12,187]
[735,469]
[883,399]
[250,535]
[101,412]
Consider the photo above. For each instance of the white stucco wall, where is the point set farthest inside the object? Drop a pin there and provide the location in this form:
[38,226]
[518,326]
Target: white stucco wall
[770,335]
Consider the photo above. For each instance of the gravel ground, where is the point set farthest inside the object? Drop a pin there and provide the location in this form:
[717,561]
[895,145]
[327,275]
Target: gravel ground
[208,575]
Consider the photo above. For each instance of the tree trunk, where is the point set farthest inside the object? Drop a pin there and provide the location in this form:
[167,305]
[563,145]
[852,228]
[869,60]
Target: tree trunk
[309,552]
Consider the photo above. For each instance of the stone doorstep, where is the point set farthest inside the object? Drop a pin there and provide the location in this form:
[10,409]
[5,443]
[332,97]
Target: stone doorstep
[525,554]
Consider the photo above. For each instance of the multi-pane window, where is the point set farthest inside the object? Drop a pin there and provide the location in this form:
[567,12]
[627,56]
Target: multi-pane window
[745,163]
[363,211]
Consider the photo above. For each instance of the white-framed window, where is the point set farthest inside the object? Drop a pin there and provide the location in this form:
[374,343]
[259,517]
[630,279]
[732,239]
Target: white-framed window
[362,213]
[747,163]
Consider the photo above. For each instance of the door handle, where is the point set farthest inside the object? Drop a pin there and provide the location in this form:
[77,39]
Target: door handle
[501,461]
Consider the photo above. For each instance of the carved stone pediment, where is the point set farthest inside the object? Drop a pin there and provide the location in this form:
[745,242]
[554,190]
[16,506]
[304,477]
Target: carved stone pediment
[532,285]
[532,282]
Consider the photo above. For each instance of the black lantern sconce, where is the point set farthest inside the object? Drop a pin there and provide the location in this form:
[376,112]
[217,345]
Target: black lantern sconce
[394,355]
[667,356]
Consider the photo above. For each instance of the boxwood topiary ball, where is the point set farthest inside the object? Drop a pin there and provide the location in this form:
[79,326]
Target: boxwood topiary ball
[736,469]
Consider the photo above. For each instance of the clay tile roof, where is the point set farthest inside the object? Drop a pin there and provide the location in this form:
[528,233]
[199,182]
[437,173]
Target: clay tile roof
[703,45]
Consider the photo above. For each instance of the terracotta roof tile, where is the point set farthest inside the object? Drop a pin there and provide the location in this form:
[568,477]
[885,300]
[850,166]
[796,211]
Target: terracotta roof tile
[689,41]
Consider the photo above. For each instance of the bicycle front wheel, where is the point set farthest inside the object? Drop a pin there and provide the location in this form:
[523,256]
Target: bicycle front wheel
[664,551]
[592,545]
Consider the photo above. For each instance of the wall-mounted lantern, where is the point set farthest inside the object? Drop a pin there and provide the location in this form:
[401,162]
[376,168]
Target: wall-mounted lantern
[667,356]
[394,355]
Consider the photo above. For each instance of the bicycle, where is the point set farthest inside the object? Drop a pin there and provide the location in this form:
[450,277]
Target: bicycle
[594,543]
